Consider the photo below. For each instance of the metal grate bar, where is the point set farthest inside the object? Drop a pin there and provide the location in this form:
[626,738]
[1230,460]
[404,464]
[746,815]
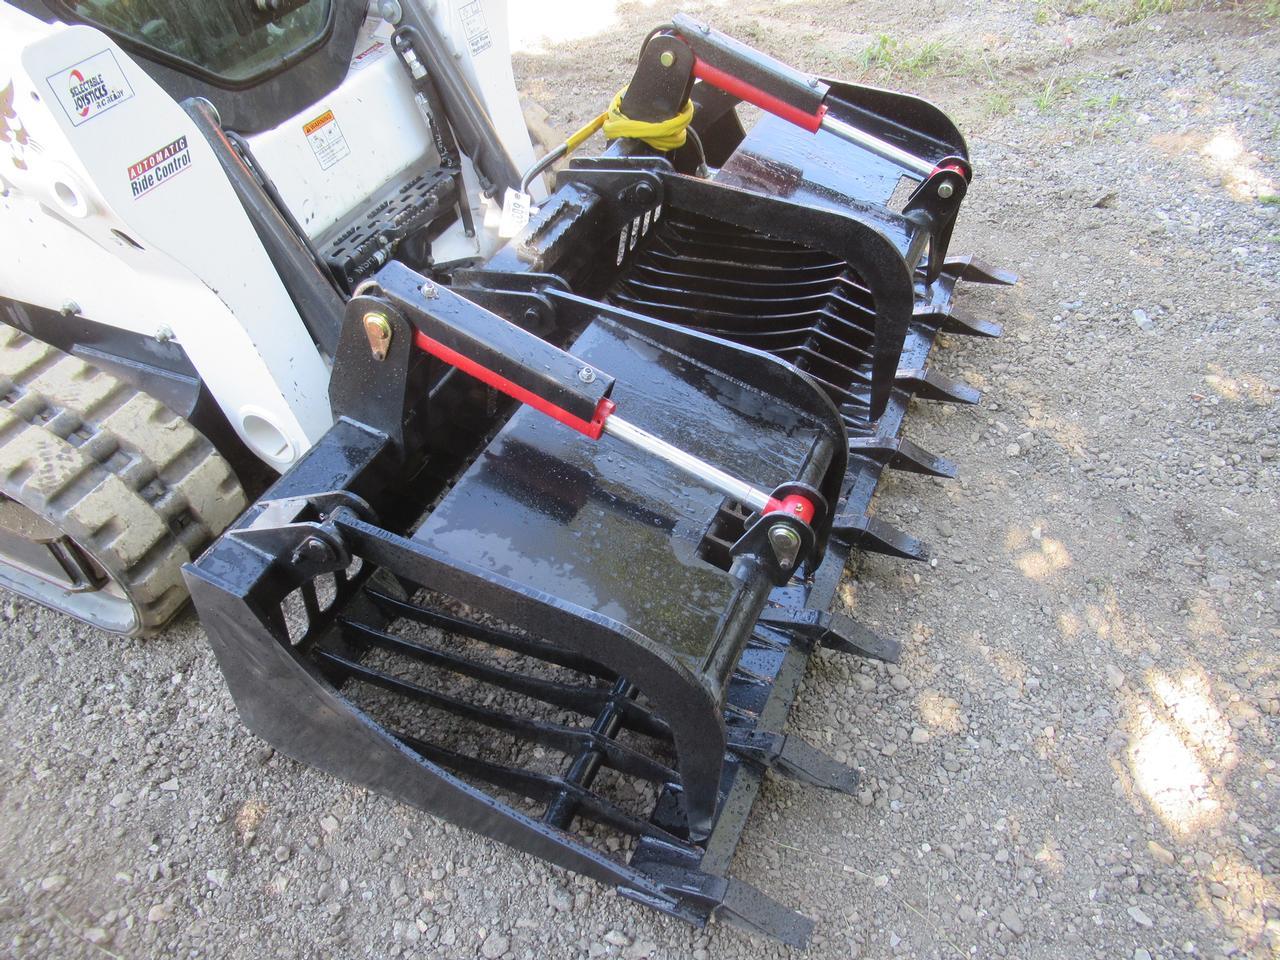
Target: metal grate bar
[476,631]
[540,787]
[586,700]
[566,739]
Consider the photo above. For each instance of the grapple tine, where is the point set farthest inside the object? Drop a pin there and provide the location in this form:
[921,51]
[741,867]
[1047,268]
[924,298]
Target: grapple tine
[791,757]
[978,271]
[901,454]
[928,384]
[958,321]
[868,533]
[733,900]
[835,631]
[954,320]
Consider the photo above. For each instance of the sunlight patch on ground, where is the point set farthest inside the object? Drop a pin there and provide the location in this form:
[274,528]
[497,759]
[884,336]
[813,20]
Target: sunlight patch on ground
[1015,538]
[538,27]
[1205,620]
[849,595]
[1188,700]
[1123,632]
[1050,857]
[1180,744]
[1237,893]
[1237,167]
[1226,156]
[1044,560]
[1169,775]
[1071,437]
[249,817]
[1237,388]
[1011,669]
[941,712]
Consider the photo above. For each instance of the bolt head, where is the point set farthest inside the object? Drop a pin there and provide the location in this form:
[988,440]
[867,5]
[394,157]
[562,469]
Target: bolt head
[313,550]
[587,375]
[430,290]
[786,543]
[945,189]
[667,59]
[780,535]
[377,328]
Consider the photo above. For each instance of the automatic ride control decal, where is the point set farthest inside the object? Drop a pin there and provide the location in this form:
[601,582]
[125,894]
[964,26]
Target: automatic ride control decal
[90,87]
[158,167]
[326,139]
[475,26]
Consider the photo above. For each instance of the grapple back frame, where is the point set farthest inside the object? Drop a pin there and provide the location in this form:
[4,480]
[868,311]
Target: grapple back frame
[781,315]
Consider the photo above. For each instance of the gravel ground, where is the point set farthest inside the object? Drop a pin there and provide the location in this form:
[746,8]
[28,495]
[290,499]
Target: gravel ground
[1077,755]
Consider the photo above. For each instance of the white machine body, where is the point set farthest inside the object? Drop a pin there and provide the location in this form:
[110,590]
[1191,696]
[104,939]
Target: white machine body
[114,208]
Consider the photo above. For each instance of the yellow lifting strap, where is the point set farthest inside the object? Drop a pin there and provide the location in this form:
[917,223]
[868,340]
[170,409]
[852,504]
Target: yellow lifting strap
[666,134]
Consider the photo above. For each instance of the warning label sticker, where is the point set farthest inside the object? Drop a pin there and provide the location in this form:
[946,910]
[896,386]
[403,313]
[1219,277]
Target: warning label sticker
[326,139]
[157,168]
[375,51]
[90,87]
[475,26]
[373,42]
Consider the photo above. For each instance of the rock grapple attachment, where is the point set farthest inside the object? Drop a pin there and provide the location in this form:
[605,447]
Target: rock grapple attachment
[583,640]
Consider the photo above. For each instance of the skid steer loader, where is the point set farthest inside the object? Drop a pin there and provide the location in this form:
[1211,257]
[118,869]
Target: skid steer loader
[552,491]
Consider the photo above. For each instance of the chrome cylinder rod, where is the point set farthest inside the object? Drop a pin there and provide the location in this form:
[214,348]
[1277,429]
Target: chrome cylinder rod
[700,470]
[881,148]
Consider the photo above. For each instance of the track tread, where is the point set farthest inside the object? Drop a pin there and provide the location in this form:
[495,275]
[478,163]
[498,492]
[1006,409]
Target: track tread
[141,489]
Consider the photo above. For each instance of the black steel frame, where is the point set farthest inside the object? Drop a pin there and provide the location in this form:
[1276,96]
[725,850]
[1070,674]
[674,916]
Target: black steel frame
[849,320]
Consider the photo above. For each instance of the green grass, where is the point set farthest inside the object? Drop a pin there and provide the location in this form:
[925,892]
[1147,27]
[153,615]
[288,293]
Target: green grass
[1270,199]
[1108,107]
[1144,9]
[999,103]
[1114,11]
[897,58]
[1101,113]
[1053,93]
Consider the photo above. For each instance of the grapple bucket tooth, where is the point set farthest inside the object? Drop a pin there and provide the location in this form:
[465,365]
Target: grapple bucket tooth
[955,320]
[552,634]
[900,453]
[835,631]
[975,270]
[793,758]
[733,900]
[868,533]
[928,384]
[958,321]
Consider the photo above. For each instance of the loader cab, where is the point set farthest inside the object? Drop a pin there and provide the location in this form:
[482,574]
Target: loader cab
[258,61]
[318,160]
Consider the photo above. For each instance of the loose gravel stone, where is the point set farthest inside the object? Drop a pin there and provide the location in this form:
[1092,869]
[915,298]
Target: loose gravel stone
[494,946]
[1139,916]
[1009,917]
